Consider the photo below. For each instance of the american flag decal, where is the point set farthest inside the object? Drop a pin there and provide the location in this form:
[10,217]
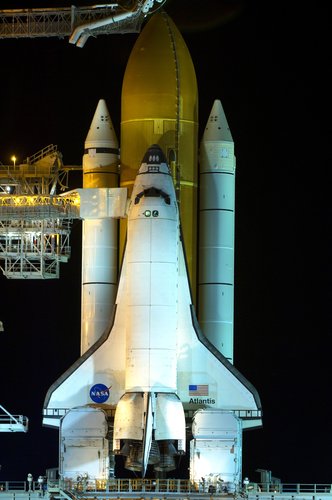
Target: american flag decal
[199,390]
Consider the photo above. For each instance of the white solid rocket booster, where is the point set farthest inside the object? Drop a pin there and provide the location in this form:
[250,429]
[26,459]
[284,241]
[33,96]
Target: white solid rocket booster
[99,245]
[216,232]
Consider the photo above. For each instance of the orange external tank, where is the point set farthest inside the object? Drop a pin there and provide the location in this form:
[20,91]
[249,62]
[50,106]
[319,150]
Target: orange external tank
[159,105]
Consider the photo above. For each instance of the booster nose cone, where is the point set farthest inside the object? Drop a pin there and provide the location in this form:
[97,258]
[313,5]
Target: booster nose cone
[217,128]
[101,132]
[101,151]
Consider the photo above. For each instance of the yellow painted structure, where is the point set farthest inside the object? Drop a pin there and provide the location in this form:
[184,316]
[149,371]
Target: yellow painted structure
[160,106]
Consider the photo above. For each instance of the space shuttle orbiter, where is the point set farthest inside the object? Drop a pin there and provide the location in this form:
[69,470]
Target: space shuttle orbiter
[153,362]
[151,378]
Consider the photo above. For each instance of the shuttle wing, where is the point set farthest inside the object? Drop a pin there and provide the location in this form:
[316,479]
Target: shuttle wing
[98,376]
[206,379]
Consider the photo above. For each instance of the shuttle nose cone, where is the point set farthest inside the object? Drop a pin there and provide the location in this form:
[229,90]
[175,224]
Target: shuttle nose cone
[154,161]
[154,155]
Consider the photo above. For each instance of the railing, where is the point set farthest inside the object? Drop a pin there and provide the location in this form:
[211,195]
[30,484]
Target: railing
[48,150]
[12,423]
[39,207]
[130,485]
[295,488]
[100,488]
[16,486]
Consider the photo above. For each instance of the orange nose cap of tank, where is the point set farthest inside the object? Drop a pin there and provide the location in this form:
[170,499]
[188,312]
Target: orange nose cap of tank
[159,73]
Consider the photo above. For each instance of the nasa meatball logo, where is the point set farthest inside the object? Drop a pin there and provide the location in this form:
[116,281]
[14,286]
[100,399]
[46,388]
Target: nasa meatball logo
[99,393]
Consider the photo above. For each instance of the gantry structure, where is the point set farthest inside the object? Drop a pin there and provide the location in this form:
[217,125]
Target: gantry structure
[35,221]
[77,23]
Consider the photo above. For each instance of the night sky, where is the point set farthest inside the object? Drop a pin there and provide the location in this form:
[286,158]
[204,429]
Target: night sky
[268,62]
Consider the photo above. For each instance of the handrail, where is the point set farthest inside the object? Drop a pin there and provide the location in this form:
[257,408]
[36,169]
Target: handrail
[12,423]
[51,148]
[102,488]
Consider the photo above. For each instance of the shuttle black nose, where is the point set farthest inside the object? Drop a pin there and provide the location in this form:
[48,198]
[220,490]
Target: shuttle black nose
[154,155]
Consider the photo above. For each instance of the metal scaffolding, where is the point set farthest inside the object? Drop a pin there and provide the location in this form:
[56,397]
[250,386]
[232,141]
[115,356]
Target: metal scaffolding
[34,249]
[61,22]
[38,174]
[35,223]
